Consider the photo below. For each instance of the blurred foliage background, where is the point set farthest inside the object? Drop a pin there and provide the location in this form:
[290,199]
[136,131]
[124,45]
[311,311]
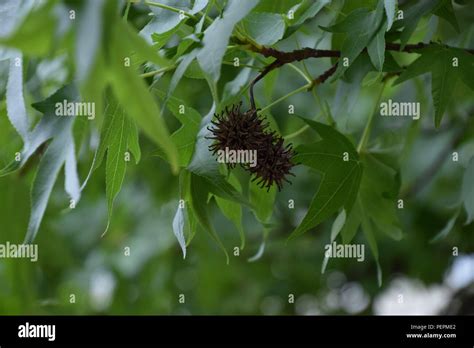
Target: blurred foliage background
[75,260]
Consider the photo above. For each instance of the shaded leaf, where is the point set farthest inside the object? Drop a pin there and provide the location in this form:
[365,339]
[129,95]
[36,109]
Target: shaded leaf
[376,49]
[89,34]
[35,34]
[16,109]
[390,8]
[446,11]
[217,36]
[305,10]
[199,195]
[116,135]
[412,13]
[54,157]
[340,178]
[361,26]
[337,225]
[262,201]
[264,27]
[446,229]
[185,137]
[235,86]
[232,210]
[138,103]
[439,61]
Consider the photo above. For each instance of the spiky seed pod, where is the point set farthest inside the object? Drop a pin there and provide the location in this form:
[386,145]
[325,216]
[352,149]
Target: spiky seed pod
[274,163]
[238,130]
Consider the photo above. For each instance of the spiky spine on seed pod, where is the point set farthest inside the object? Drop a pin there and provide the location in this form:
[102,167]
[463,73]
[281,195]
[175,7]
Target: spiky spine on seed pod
[236,130]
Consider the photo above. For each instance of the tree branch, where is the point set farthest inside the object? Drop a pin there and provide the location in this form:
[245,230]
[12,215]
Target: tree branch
[282,58]
[307,52]
[325,75]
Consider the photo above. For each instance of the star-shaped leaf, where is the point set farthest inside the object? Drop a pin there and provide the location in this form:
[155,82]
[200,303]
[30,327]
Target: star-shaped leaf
[337,160]
[447,66]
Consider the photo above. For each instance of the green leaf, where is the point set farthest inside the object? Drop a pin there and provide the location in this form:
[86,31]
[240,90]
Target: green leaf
[185,137]
[361,27]
[378,193]
[217,36]
[376,49]
[390,65]
[446,11]
[36,34]
[276,6]
[180,70]
[369,235]
[193,70]
[261,248]
[265,28]
[262,201]
[199,194]
[467,191]
[45,178]
[234,87]
[232,210]
[71,178]
[184,221]
[159,39]
[412,13]
[351,225]
[16,109]
[305,10]
[443,83]
[421,65]
[132,42]
[446,229]
[438,61]
[335,229]
[390,8]
[375,207]
[134,141]
[89,34]
[54,157]
[47,127]
[10,13]
[165,21]
[138,103]
[118,134]
[353,21]
[340,178]
[179,223]
[92,88]
[466,65]
[337,225]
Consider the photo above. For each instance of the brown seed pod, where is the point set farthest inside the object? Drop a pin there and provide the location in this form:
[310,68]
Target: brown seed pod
[274,163]
[235,130]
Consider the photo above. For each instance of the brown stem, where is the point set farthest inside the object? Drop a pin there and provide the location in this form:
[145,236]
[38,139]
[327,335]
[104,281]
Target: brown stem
[265,71]
[282,58]
[325,75]
[307,52]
